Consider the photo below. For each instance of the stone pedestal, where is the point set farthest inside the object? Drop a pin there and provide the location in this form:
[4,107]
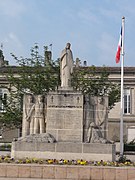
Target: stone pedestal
[65,115]
[64,150]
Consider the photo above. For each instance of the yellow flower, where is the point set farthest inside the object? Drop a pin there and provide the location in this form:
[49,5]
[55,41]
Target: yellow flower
[104,163]
[83,162]
[50,161]
[28,161]
[35,160]
[19,161]
[65,161]
[6,159]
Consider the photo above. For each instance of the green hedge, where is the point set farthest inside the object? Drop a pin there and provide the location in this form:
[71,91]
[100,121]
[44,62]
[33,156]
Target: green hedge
[5,147]
[129,147]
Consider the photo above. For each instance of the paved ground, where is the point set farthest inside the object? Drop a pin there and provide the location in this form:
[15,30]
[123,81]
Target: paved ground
[4,153]
[25,179]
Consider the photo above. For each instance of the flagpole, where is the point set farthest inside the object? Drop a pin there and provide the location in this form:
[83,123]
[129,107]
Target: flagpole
[122,73]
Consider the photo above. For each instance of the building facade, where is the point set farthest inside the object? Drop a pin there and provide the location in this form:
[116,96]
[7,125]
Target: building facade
[128,105]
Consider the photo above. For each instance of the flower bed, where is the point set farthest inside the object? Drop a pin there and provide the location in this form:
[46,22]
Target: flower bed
[65,169]
[81,162]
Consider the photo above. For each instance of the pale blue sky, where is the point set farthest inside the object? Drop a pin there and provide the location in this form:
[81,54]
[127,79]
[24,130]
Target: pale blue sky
[91,26]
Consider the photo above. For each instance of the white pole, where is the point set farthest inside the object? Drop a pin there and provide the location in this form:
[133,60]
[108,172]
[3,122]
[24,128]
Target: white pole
[122,97]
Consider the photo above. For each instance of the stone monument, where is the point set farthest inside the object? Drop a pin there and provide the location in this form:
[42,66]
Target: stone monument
[64,106]
[67,124]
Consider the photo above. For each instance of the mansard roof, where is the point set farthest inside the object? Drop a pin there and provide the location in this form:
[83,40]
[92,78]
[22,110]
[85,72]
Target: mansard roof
[98,69]
[109,69]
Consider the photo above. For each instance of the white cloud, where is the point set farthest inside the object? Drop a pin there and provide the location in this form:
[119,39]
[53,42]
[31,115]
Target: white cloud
[119,9]
[11,8]
[129,9]
[107,48]
[110,13]
[12,39]
[12,44]
[87,16]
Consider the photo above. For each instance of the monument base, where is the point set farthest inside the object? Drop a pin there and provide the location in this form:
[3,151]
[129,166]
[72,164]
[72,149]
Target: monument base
[64,118]
[63,150]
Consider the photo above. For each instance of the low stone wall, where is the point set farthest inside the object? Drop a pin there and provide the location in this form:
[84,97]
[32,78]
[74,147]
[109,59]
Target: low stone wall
[66,172]
[61,150]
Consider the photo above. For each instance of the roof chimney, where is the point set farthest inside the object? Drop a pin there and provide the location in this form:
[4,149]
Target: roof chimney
[85,63]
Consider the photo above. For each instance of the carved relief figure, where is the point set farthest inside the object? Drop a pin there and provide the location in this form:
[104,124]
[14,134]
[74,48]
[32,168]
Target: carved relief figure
[95,116]
[30,116]
[33,115]
[27,114]
[66,66]
[88,116]
[101,109]
[39,121]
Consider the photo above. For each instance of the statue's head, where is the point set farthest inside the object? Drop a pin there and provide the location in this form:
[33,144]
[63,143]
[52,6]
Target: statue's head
[30,98]
[68,46]
[40,98]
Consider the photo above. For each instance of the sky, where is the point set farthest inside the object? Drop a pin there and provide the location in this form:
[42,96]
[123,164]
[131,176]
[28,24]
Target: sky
[91,26]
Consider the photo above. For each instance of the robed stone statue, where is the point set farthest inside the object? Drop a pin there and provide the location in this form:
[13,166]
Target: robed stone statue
[66,66]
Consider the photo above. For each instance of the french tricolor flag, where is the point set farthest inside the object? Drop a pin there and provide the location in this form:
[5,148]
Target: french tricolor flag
[117,58]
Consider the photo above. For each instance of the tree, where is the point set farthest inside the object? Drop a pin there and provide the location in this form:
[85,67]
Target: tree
[35,75]
[90,81]
[40,74]
[12,115]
